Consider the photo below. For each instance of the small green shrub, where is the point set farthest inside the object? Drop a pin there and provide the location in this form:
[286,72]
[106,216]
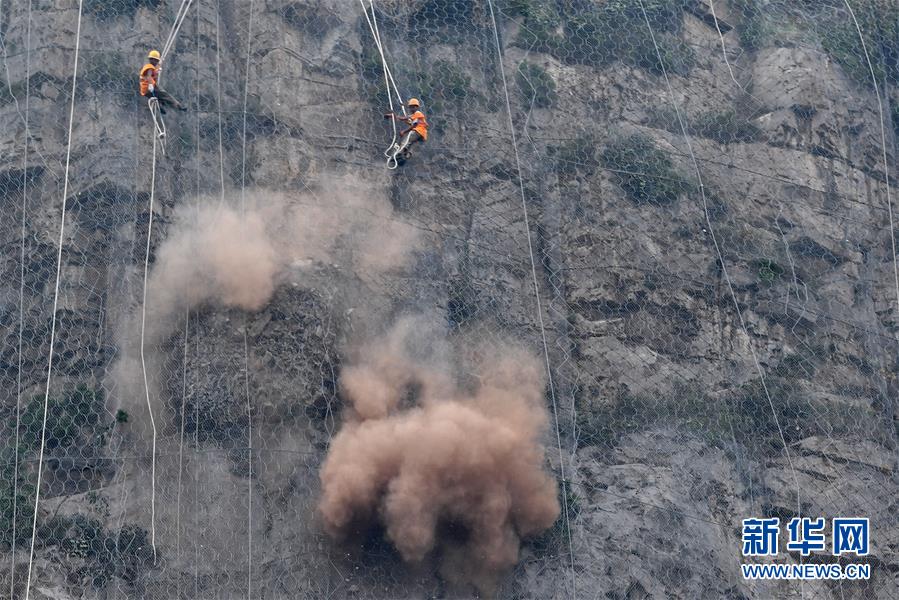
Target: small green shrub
[645,173]
[75,423]
[725,127]
[107,554]
[768,270]
[450,83]
[604,425]
[538,31]
[443,21]
[894,117]
[371,78]
[673,56]
[535,85]
[519,8]
[879,24]
[70,420]
[445,87]
[576,155]
[10,93]
[843,44]
[598,34]
[16,499]
[755,30]
[744,416]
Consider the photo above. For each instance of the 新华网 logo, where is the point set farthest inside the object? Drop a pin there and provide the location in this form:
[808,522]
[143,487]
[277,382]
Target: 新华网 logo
[805,536]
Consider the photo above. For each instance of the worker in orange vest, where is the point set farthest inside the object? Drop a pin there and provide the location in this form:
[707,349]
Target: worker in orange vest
[149,75]
[417,131]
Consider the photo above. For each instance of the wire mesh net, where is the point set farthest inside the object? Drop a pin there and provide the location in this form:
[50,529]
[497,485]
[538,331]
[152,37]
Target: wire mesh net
[680,209]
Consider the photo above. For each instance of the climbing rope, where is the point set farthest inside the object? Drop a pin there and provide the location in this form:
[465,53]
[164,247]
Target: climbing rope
[218,103]
[62,225]
[527,229]
[246,351]
[187,310]
[196,440]
[883,142]
[720,256]
[179,19]
[158,122]
[158,140]
[394,149]
[143,363]
[15,479]
[153,102]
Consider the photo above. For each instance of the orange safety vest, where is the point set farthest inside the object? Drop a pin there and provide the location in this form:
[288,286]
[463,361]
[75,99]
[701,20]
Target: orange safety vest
[147,76]
[420,124]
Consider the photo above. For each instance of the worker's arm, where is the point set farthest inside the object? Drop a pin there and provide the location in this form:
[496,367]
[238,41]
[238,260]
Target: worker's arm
[150,77]
[391,115]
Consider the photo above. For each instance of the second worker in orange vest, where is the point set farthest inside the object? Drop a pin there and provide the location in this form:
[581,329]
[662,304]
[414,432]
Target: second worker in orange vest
[417,131]
[149,87]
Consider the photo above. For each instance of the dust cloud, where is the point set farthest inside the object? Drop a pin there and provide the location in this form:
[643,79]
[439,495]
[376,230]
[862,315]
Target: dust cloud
[237,254]
[449,470]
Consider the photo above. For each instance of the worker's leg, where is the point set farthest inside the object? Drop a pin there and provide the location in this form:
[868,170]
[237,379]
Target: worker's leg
[407,141]
[150,97]
[166,99]
[413,138]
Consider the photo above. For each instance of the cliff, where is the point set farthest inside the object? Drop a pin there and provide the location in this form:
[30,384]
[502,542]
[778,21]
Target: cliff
[690,226]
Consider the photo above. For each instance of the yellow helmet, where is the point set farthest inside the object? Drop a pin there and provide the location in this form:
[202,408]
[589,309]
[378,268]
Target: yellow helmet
[154,54]
[413,102]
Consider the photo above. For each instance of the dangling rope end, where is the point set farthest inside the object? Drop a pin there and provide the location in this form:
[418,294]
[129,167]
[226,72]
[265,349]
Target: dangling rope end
[158,123]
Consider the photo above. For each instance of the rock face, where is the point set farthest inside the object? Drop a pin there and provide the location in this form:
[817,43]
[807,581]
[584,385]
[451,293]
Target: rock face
[718,309]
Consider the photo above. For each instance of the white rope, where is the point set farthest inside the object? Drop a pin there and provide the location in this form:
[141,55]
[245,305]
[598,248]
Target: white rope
[62,225]
[181,437]
[158,122]
[143,362]
[246,92]
[376,34]
[155,112]
[724,54]
[15,478]
[724,272]
[527,228]
[196,462]
[187,316]
[158,140]
[218,77]
[723,46]
[393,149]
[388,79]
[176,27]
[883,141]
[246,352]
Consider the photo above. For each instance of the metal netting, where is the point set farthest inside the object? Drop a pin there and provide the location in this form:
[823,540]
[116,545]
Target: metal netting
[681,210]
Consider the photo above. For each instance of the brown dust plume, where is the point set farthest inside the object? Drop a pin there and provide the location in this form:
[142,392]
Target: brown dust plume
[225,254]
[236,252]
[468,461]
